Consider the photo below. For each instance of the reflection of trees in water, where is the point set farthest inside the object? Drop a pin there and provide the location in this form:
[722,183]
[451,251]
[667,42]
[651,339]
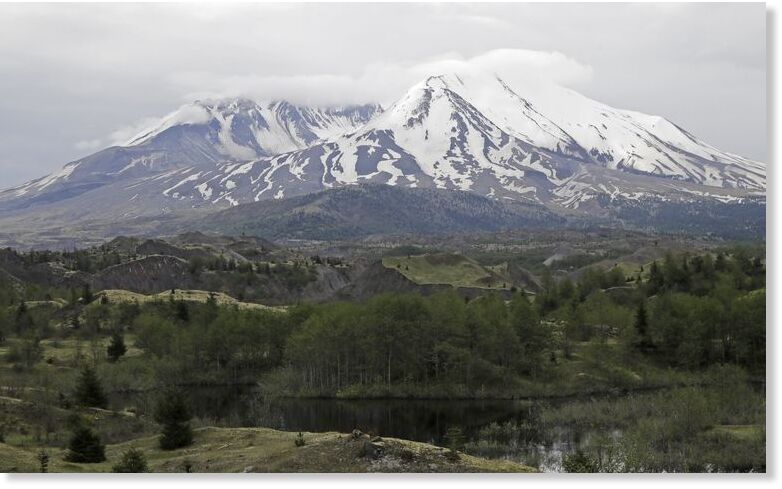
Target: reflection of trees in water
[499,429]
[492,428]
[416,420]
[218,406]
[390,418]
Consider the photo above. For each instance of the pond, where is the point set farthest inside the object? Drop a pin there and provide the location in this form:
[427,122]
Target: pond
[419,420]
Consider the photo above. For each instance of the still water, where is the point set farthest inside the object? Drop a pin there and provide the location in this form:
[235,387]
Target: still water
[419,420]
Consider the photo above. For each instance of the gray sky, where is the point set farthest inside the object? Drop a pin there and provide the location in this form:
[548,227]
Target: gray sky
[77,78]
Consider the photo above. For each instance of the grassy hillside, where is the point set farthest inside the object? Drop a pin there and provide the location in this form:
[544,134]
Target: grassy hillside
[115,295]
[446,268]
[267,450]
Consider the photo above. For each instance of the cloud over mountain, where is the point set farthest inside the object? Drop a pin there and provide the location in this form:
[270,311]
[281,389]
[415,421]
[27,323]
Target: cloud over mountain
[700,65]
[382,82]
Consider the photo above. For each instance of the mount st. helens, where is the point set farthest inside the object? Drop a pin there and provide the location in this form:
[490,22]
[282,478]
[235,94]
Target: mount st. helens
[530,143]
[198,136]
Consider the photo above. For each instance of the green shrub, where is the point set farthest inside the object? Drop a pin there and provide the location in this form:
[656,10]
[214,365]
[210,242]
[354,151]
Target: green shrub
[172,412]
[579,462]
[85,447]
[89,391]
[299,441]
[132,461]
[117,347]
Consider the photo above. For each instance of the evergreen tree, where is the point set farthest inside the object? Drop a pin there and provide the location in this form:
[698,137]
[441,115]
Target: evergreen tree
[566,289]
[454,440]
[132,461]
[43,461]
[89,391]
[181,311]
[23,320]
[299,441]
[533,336]
[86,294]
[172,412]
[642,326]
[656,279]
[116,347]
[30,350]
[85,447]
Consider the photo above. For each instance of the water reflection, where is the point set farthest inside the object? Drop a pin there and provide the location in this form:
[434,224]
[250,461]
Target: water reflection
[495,429]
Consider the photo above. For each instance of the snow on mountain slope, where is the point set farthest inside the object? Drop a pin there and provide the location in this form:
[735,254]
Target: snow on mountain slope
[530,142]
[242,129]
[479,135]
[200,135]
[431,137]
[564,121]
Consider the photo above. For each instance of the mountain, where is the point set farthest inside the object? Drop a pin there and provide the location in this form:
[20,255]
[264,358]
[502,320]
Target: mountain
[240,129]
[554,117]
[196,137]
[533,144]
[362,210]
[552,147]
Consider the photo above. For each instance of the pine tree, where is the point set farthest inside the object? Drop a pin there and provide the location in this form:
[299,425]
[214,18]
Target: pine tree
[181,311]
[116,347]
[30,349]
[642,326]
[86,294]
[132,461]
[85,447]
[299,441]
[23,320]
[89,391]
[454,440]
[43,461]
[173,414]
[656,279]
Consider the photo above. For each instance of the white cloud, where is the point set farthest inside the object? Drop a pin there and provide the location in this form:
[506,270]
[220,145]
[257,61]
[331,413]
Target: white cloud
[702,65]
[378,82]
[384,82]
[124,134]
[88,144]
[186,114]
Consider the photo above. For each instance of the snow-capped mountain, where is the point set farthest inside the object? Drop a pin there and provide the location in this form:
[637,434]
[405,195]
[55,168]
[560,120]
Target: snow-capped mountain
[240,129]
[198,135]
[479,135]
[562,120]
[529,142]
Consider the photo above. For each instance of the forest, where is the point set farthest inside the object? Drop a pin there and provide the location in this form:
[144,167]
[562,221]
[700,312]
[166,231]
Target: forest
[685,312]
[687,321]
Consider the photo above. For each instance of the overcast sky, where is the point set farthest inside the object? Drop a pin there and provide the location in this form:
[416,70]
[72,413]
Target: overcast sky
[75,79]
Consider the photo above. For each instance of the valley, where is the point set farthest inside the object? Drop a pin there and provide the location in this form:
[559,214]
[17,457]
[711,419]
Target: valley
[385,237]
[474,277]
[499,336]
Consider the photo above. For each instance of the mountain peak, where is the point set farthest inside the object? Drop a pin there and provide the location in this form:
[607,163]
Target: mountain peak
[490,136]
[228,104]
[444,81]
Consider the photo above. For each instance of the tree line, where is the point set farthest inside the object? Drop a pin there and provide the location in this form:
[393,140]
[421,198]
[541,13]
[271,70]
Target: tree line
[685,311]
